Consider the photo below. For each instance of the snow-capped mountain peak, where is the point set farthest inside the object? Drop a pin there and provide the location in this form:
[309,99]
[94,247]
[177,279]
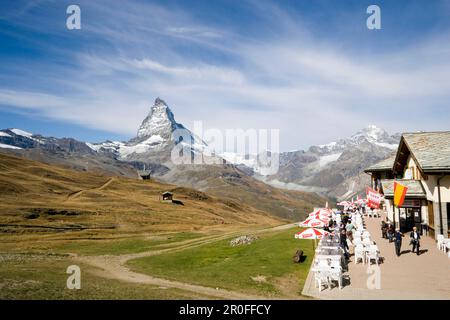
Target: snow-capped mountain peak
[155,137]
[375,135]
[371,133]
[159,122]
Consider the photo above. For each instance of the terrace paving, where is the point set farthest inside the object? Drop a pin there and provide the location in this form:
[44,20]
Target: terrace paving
[409,276]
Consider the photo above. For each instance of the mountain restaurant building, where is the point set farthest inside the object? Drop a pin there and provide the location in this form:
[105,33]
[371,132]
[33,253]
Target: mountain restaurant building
[422,164]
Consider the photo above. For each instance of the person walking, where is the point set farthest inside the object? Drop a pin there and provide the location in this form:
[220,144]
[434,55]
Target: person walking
[390,232]
[349,229]
[343,243]
[398,241]
[383,229]
[415,240]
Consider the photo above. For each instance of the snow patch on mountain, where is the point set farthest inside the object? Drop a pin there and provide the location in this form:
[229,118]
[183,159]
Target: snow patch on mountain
[236,158]
[94,147]
[26,134]
[290,185]
[7,146]
[22,133]
[392,146]
[4,134]
[324,160]
[142,147]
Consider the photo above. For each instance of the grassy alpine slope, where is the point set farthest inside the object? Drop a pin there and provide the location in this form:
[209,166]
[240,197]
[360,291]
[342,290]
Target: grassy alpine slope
[264,267]
[48,213]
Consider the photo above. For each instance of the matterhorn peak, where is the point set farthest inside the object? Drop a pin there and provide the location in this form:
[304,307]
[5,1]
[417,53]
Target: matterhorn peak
[160,121]
[160,102]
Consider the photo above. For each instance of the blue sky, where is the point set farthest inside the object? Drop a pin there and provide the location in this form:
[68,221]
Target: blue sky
[309,68]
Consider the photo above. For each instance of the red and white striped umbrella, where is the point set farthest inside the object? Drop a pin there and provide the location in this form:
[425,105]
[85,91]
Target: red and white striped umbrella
[311,233]
[325,211]
[313,223]
[320,216]
[320,212]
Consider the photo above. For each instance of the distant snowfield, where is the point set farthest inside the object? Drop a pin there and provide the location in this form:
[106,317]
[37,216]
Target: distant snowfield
[22,133]
[4,134]
[26,135]
[387,145]
[7,146]
[290,185]
[324,160]
[124,150]
[255,162]
[235,158]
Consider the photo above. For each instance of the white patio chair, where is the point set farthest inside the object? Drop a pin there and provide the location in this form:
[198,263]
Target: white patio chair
[336,275]
[322,263]
[357,242]
[367,242]
[440,241]
[321,277]
[444,244]
[373,255]
[335,264]
[359,254]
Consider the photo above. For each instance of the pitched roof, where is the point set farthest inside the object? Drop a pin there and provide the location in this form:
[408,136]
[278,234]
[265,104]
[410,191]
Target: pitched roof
[415,188]
[383,165]
[430,149]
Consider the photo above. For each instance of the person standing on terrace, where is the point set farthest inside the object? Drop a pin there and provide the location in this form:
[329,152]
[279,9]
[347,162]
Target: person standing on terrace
[398,241]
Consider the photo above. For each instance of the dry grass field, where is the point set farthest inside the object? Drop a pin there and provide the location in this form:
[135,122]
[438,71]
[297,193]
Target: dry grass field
[50,215]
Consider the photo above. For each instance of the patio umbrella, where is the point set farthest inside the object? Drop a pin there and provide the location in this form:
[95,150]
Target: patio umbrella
[314,213]
[324,211]
[313,222]
[311,233]
[322,217]
[320,212]
[325,219]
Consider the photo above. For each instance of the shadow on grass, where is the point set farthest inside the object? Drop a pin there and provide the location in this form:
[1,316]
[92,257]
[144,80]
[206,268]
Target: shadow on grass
[179,202]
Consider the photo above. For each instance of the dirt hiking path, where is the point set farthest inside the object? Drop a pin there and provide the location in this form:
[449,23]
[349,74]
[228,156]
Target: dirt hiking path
[114,267]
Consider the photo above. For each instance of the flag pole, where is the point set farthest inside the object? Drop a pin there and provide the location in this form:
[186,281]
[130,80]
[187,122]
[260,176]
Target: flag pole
[393,202]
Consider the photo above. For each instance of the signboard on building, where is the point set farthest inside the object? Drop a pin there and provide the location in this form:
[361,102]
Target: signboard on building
[373,198]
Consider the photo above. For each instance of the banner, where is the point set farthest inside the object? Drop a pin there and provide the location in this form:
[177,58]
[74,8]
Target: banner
[399,194]
[373,198]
